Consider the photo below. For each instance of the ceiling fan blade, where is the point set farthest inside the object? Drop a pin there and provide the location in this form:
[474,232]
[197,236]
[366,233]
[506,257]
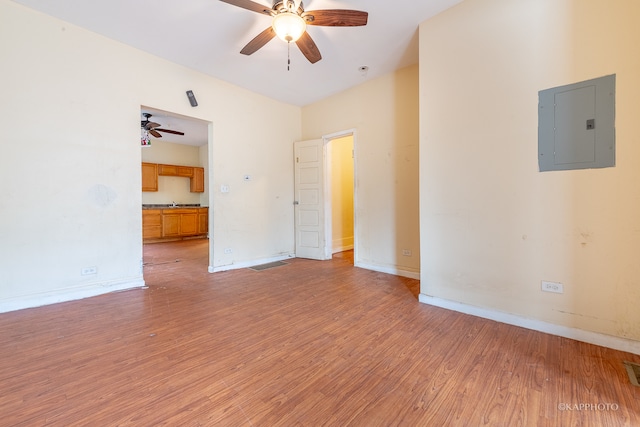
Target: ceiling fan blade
[151,125]
[154,133]
[308,48]
[175,132]
[259,41]
[336,17]
[250,5]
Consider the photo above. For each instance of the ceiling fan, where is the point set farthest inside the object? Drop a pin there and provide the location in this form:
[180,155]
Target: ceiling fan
[290,22]
[154,128]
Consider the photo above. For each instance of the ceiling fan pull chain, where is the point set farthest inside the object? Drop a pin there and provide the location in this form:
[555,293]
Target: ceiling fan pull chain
[288,55]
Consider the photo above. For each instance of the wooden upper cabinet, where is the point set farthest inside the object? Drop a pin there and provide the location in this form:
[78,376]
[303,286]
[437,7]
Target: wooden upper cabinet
[151,171]
[149,177]
[175,170]
[197,180]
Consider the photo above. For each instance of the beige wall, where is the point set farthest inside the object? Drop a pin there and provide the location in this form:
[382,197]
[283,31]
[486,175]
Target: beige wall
[70,163]
[341,193]
[384,115]
[172,188]
[492,226]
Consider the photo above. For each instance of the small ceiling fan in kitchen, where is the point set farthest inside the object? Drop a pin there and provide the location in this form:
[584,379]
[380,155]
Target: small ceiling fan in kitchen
[154,128]
[290,22]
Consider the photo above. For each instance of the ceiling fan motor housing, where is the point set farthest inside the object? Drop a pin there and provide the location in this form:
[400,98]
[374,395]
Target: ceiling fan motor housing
[280,6]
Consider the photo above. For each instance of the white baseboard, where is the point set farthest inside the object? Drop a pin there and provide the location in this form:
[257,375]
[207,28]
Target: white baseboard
[336,249]
[247,264]
[70,294]
[389,270]
[617,343]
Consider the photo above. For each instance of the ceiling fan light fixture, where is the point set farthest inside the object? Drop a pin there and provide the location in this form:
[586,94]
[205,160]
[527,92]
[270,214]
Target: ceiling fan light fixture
[289,26]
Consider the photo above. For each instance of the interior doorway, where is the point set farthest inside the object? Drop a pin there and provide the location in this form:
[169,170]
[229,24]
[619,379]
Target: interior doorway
[325,197]
[182,143]
[340,155]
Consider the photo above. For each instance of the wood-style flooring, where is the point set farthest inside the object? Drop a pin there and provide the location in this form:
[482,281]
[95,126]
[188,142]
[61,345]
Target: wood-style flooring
[309,343]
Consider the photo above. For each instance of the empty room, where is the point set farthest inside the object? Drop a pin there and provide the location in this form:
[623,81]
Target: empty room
[319,213]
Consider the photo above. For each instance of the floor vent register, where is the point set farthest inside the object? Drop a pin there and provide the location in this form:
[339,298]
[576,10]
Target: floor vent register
[633,369]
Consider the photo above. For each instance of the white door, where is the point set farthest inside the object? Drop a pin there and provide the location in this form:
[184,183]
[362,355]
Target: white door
[309,199]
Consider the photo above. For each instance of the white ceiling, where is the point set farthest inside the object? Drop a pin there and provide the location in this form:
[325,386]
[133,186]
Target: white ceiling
[196,132]
[207,35]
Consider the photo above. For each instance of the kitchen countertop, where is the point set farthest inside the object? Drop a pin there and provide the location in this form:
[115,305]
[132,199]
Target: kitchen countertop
[171,206]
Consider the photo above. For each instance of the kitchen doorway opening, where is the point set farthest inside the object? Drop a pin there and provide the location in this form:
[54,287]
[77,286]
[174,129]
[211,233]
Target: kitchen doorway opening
[176,203]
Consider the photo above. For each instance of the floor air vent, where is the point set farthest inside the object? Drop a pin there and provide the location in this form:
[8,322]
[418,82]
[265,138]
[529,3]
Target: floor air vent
[266,266]
[633,369]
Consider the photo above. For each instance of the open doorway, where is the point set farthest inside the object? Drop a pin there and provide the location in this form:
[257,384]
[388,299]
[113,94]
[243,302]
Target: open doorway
[175,206]
[341,185]
[341,181]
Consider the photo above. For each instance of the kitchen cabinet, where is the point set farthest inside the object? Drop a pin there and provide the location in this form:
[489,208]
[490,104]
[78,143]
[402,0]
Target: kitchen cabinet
[175,170]
[197,180]
[203,220]
[189,223]
[151,223]
[177,222]
[151,171]
[170,224]
[149,177]
[174,223]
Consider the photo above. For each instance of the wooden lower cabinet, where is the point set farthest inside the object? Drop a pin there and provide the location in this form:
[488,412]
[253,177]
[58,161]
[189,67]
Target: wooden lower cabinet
[170,225]
[175,223]
[189,224]
[151,223]
[203,220]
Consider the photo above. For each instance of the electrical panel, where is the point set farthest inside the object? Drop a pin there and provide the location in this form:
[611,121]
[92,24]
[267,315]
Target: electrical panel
[576,125]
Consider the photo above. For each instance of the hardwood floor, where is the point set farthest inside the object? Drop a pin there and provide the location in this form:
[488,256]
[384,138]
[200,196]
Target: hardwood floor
[306,344]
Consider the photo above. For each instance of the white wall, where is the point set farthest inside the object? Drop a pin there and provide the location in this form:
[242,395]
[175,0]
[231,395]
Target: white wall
[384,114]
[493,226]
[70,163]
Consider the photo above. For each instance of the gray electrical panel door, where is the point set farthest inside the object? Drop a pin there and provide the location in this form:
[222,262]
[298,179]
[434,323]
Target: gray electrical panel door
[576,125]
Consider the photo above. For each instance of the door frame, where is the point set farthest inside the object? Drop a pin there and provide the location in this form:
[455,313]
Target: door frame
[327,185]
[208,179]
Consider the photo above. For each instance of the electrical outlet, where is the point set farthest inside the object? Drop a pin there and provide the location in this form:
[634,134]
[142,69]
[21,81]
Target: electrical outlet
[407,252]
[89,270]
[227,251]
[552,287]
